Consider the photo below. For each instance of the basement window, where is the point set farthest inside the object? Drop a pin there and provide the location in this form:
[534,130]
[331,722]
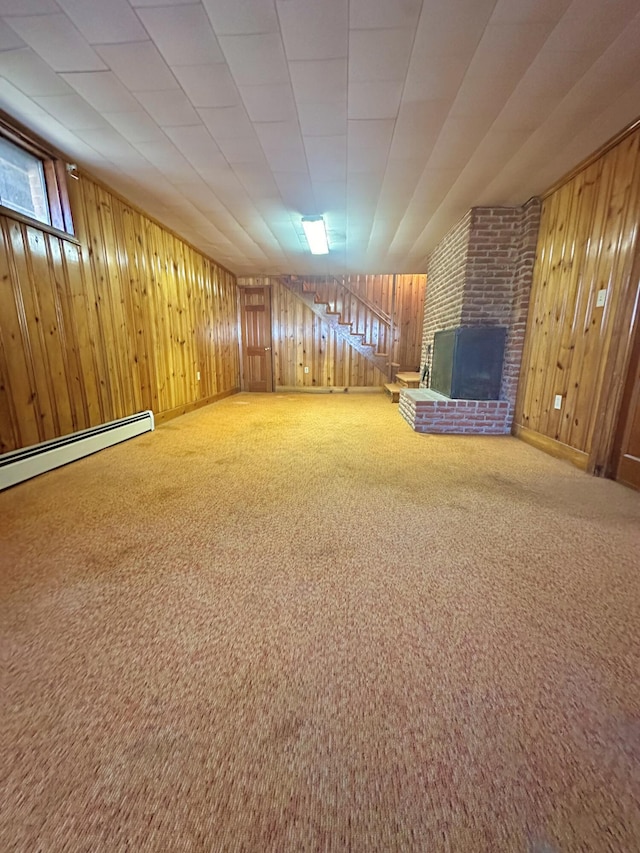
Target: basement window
[22,184]
[32,183]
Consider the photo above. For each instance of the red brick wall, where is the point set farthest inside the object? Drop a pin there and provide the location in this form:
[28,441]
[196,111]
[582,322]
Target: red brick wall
[480,274]
[445,284]
[529,227]
[461,417]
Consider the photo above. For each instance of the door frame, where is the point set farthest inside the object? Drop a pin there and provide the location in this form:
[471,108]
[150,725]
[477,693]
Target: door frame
[630,396]
[603,459]
[241,343]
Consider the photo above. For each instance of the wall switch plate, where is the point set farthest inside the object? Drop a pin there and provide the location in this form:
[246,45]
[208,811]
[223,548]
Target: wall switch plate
[198,376]
[601,298]
[306,370]
[557,403]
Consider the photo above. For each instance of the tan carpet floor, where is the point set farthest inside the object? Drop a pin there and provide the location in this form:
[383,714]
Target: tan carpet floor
[289,623]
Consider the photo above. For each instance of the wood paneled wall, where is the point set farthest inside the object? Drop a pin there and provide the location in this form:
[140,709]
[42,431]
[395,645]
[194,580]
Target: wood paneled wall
[119,322]
[574,347]
[399,295]
[409,316]
[300,338]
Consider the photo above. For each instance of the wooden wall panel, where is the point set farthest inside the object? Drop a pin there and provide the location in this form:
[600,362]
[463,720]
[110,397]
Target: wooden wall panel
[300,338]
[119,323]
[573,347]
[408,320]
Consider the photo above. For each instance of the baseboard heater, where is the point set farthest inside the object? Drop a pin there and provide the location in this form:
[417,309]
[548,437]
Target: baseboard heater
[20,465]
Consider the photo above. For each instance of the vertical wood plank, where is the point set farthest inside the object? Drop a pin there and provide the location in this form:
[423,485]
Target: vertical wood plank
[574,347]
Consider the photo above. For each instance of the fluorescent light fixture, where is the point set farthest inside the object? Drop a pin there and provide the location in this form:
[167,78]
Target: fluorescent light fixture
[316,234]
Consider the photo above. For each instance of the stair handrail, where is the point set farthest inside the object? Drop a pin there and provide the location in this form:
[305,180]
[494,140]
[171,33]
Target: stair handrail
[380,314]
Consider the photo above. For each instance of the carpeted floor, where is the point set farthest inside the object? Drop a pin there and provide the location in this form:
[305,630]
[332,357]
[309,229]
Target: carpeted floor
[289,623]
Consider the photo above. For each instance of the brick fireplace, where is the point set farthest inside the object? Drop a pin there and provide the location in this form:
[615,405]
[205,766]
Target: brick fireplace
[478,275]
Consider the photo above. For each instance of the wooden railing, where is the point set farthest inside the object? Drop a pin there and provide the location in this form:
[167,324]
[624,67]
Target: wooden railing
[365,317]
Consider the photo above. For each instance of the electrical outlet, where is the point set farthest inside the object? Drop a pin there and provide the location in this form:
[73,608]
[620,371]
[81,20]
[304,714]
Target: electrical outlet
[558,402]
[306,370]
[601,298]
[198,376]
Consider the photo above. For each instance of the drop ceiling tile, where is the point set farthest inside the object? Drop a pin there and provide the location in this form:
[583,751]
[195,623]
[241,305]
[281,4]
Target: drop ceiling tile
[452,28]
[524,113]
[369,160]
[72,111]
[330,196]
[103,90]
[273,210]
[58,42]
[508,49]
[257,180]
[30,74]
[379,54]
[223,181]
[198,146]
[383,14]
[183,34]
[481,102]
[323,119]
[371,133]
[226,122]
[135,126]
[242,17]
[169,109]
[107,142]
[282,145]
[141,4]
[269,103]
[208,85]
[166,157]
[255,60]
[374,99]
[553,73]
[104,23]
[20,105]
[326,157]
[456,143]
[432,77]
[241,150]
[9,39]
[28,7]
[529,11]
[201,196]
[320,81]
[592,26]
[312,30]
[417,128]
[139,65]
[296,191]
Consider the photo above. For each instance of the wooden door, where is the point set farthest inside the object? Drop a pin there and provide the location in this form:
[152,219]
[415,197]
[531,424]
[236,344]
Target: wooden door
[255,317]
[628,443]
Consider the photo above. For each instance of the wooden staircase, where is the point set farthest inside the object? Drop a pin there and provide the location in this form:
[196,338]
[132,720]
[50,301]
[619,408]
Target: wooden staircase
[403,380]
[306,291]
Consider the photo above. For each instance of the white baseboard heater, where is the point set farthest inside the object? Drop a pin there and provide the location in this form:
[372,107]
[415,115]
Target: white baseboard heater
[20,465]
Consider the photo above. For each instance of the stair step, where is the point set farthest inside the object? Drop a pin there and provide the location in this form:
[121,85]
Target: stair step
[393,390]
[408,379]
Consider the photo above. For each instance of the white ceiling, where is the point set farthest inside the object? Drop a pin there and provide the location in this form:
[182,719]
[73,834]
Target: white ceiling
[228,120]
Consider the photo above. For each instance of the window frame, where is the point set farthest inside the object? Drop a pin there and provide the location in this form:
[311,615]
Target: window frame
[55,181]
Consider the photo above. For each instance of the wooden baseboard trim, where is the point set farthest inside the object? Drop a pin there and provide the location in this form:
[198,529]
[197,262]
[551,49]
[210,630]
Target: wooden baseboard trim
[337,389]
[552,447]
[161,417]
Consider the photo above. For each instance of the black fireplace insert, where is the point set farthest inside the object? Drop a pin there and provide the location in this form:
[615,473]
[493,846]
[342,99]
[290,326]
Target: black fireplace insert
[467,362]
